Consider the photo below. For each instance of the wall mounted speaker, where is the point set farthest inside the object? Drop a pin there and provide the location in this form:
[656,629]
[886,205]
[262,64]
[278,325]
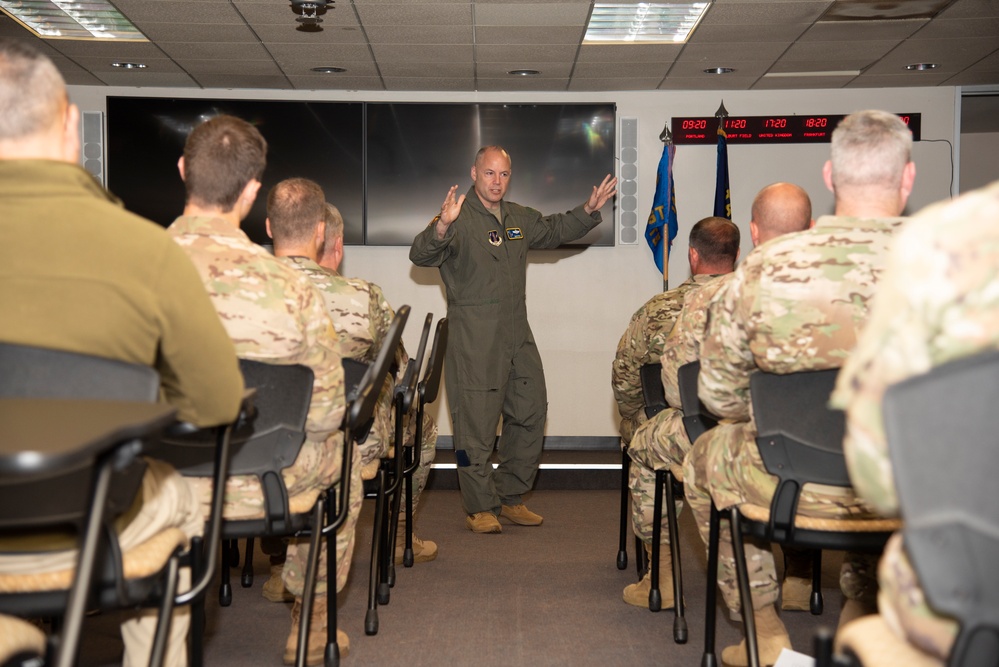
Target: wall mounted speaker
[92,143]
[627,183]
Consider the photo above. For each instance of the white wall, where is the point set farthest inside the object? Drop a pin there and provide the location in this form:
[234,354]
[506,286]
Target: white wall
[580,300]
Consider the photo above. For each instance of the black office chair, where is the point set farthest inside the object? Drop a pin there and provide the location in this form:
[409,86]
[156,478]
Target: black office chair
[60,501]
[800,440]
[385,487]
[941,428]
[426,392]
[654,400]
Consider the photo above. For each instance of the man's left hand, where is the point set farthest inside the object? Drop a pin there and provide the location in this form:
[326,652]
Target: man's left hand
[601,193]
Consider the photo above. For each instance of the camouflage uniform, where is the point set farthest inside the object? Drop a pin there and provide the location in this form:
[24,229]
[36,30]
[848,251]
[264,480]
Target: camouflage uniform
[936,303]
[642,343]
[361,317]
[795,304]
[276,316]
[661,442]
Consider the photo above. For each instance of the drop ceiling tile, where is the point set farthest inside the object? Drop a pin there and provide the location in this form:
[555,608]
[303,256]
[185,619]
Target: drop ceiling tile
[203,50]
[288,34]
[233,81]
[975,77]
[730,82]
[179,11]
[355,68]
[398,34]
[620,70]
[528,35]
[449,84]
[614,53]
[865,50]
[549,70]
[755,13]
[255,67]
[742,68]
[542,53]
[148,79]
[732,52]
[909,79]
[532,14]
[802,82]
[415,15]
[315,54]
[583,84]
[98,65]
[764,32]
[180,32]
[953,55]
[400,69]
[837,65]
[960,29]
[324,82]
[423,53]
[832,31]
[514,84]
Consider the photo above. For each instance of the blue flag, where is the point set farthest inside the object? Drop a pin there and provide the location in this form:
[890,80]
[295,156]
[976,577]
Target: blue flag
[723,193]
[662,220]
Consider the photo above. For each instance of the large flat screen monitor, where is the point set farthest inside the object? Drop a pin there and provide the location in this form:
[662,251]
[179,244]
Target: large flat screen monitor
[387,166]
[417,151]
[322,141]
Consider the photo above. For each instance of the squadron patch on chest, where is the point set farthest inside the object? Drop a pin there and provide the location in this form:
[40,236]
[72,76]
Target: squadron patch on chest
[494,237]
[514,234]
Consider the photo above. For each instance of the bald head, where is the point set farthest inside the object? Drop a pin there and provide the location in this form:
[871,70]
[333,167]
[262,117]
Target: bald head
[36,118]
[780,208]
[713,246]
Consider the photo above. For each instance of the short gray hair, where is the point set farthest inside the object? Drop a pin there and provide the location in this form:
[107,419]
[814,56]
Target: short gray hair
[32,91]
[870,148]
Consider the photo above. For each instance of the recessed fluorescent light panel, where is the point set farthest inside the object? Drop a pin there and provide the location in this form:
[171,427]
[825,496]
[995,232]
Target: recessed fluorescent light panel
[644,22]
[56,19]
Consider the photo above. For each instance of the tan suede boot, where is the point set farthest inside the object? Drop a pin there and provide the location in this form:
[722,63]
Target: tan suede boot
[274,589]
[424,551]
[638,594]
[771,637]
[317,634]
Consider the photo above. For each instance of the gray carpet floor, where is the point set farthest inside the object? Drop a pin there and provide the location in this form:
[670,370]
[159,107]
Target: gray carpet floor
[547,595]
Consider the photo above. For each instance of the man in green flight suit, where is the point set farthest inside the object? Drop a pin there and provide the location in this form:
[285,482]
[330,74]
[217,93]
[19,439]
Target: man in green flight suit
[492,367]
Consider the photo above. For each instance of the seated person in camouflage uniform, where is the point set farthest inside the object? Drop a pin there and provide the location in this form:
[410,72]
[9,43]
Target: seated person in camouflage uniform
[937,302]
[302,225]
[84,275]
[273,314]
[796,304]
[662,442]
[713,250]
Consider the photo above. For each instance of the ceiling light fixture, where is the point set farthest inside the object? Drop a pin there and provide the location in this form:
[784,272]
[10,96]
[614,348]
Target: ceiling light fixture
[56,19]
[524,72]
[309,12]
[719,70]
[921,67]
[125,65]
[643,22]
[328,70]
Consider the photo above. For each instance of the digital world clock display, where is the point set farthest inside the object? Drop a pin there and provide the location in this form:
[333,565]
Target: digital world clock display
[795,129]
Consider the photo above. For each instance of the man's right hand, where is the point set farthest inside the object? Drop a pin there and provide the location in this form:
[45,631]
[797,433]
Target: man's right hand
[449,212]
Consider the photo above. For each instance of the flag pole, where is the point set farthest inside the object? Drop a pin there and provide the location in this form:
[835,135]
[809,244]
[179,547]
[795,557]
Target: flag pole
[667,138]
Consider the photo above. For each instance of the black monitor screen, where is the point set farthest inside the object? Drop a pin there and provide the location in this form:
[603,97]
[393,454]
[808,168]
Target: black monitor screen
[322,141]
[416,152]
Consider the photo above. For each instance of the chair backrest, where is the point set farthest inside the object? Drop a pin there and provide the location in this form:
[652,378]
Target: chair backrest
[431,382]
[406,390]
[361,401]
[943,430]
[800,438]
[36,372]
[33,372]
[653,394]
[696,418]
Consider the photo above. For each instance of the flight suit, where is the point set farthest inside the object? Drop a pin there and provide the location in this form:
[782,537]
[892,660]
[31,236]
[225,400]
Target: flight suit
[492,366]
